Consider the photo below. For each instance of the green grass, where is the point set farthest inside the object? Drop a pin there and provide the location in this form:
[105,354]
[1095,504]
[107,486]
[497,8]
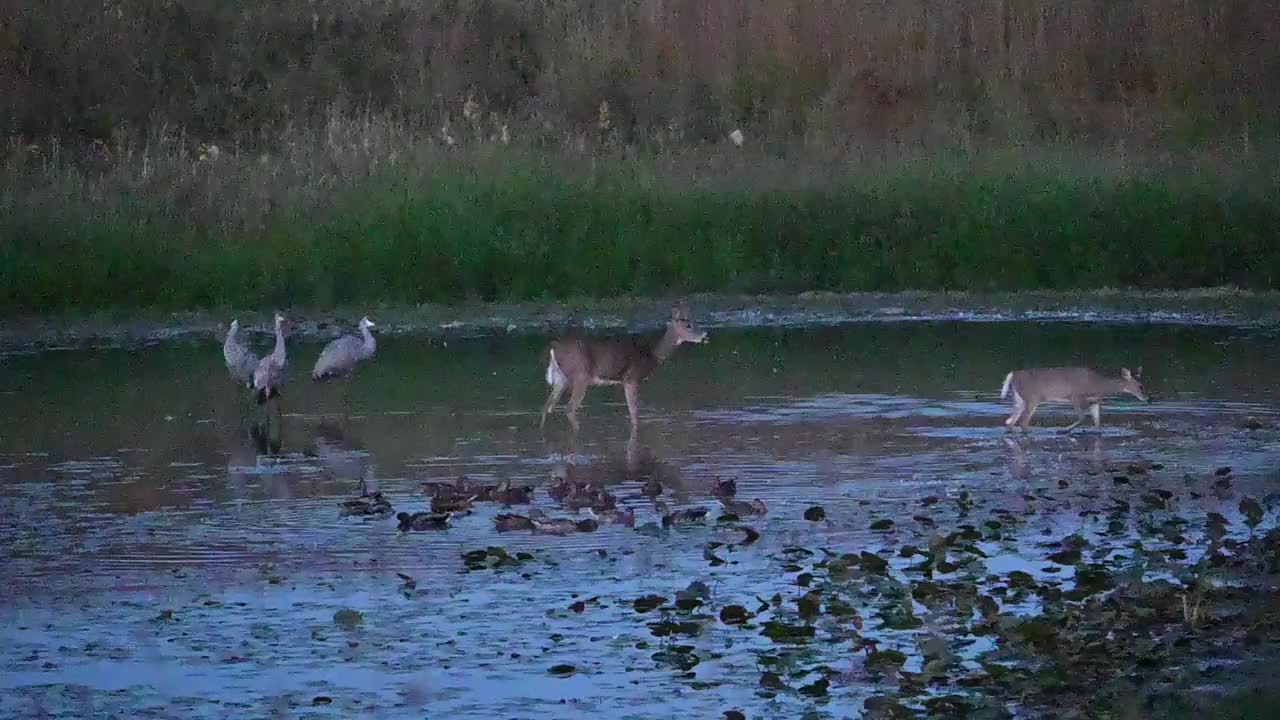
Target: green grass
[527,229]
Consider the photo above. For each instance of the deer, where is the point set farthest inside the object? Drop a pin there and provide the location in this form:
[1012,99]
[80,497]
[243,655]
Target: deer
[579,363]
[1082,387]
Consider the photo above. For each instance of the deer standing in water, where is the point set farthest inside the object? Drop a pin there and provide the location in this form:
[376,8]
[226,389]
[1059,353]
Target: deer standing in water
[579,363]
[1081,387]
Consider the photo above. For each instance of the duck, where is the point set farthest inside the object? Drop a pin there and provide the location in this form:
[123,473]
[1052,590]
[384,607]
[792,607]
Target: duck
[560,526]
[506,522]
[554,526]
[460,488]
[626,517]
[422,521]
[451,504]
[742,508]
[507,494]
[561,486]
[684,517]
[367,504]
[590,496]
[725,487]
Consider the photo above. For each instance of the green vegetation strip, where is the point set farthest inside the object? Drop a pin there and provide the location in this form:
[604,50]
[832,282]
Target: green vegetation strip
[524,233]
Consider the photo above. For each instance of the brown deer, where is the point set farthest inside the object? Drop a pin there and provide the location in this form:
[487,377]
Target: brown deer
[1081,387]
[579,363]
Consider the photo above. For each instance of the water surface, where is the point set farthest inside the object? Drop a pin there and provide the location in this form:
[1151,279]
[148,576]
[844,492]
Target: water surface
[165,559]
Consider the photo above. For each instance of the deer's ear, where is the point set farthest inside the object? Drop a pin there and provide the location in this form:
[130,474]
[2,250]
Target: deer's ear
[1138,372]
[1124,373]
[679,310]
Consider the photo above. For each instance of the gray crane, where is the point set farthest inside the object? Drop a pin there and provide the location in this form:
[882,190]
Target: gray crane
[241,362]
[269,376]
[340,357]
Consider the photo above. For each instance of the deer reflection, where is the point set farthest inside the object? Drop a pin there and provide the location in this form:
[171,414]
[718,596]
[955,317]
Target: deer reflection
[1019,457]
[1018,466]
[636,464]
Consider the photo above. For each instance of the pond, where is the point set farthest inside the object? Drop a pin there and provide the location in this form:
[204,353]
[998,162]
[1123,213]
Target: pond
[168,557]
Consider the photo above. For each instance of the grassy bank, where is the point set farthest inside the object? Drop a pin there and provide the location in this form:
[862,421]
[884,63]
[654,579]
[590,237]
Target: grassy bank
[368,214]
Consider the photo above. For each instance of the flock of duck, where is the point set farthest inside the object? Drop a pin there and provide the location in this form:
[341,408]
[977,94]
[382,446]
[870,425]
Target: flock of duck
[583,498]
[580,363]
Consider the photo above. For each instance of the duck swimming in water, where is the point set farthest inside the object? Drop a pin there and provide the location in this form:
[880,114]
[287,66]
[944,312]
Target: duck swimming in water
[507,494]
[560,526]
[422,521]
[684,517]
[742,508]
[456,504]
[367,504]
[507,522]
[725,488]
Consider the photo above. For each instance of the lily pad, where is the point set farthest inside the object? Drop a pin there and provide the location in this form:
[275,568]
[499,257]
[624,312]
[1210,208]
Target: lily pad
[815,514]
[648,602]
[886,659]
[1252,512]
[680,657]
[562,670]
[884,707]
[733,615]
[779,631]
[1065,557]
[348,618]
[817,688]
[667,628]
[872,562]
[810,605]
[772,681]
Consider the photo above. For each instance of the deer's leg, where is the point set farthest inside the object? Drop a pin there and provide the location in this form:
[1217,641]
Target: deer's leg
[1019,405]
[1096,410]
[1027,413]
[552,398]
[575,401]
[632,391]
[1082,410]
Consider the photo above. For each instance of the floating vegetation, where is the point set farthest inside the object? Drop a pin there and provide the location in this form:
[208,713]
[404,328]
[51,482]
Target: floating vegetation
[348,619]
[944,636]
[494,558]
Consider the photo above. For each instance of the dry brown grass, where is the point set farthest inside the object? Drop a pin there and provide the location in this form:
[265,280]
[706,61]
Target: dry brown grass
[672,71]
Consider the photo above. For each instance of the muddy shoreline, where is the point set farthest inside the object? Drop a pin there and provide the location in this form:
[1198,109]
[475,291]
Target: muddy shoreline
[1227,307]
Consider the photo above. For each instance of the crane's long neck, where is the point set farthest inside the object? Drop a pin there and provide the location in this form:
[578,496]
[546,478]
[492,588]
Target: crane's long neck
[369,343]
[279,350]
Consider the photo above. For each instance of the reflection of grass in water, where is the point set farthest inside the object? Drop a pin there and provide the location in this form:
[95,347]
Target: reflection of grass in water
[433,227]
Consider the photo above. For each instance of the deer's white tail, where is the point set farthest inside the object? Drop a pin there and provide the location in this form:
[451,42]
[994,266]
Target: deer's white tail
[1004,390]
[554,375]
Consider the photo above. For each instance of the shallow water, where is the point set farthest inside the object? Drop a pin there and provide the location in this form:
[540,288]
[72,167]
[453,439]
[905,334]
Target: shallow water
[165,561]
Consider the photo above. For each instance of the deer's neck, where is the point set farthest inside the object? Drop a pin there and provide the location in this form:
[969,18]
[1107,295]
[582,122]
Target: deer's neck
[369,343]
[665,346]
[229,345]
